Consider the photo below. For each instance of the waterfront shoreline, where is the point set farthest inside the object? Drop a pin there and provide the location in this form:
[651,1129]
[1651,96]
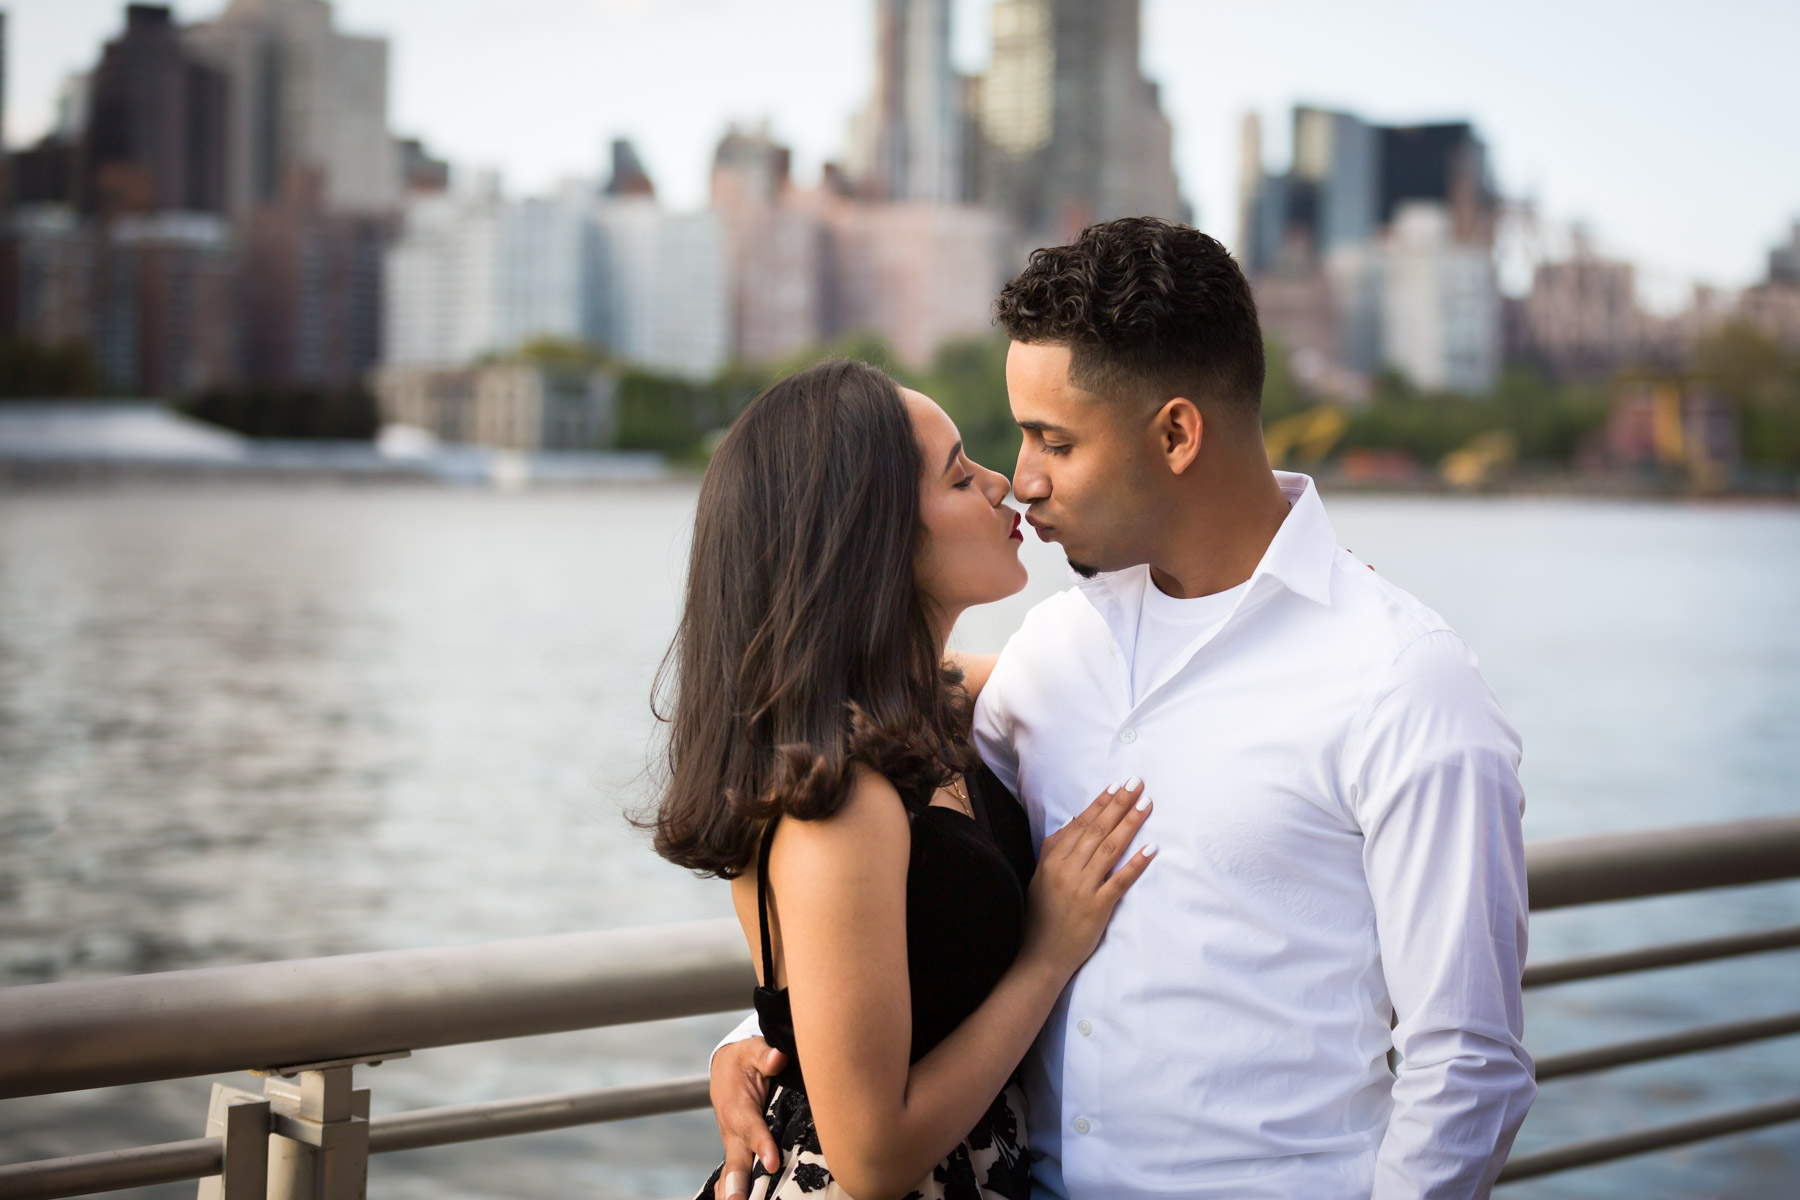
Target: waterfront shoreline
[21,474]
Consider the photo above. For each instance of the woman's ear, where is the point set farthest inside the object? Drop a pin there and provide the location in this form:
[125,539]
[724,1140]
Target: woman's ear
[1179,430]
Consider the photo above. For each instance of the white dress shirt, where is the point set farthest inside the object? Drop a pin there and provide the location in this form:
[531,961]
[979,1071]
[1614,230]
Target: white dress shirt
[1338,815]
[1338,810]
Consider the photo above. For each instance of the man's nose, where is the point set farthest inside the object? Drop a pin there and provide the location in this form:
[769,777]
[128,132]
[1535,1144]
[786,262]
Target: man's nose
[1029,484]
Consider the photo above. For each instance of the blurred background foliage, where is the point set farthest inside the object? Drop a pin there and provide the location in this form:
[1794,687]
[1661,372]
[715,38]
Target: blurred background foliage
[40,371]
[297,414]
[1549,423]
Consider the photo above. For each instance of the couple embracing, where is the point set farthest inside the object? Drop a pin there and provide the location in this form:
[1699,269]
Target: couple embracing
[1139,907]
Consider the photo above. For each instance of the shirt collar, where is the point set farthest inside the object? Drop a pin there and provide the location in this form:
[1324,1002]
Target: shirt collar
[1299,557]
[1305,548]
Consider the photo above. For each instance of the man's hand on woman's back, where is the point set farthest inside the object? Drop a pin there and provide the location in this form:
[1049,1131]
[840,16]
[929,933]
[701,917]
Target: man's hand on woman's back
[740,1089]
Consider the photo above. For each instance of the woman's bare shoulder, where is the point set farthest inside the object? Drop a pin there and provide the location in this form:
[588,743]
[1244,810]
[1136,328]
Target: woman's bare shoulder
[872,825]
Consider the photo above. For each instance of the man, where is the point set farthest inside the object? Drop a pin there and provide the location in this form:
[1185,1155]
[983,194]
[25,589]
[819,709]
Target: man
[1338,802]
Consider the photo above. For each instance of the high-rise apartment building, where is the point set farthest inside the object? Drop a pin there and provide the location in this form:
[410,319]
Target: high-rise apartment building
[1784,261]
[1581,318]
[154,137]
[311,292]
[3,48]
[1349,179]
[1773,306]
[472,273]
[1341,280]
[775,243]
[1074,133]
[47,275]
[663,299]
[916,274]
[1440,305]
[906,144]
[154,296]
[303,98]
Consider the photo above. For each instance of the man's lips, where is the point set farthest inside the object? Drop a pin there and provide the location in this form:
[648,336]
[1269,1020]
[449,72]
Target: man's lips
[1044,531]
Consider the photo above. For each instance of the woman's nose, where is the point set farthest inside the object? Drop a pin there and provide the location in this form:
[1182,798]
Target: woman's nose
[997,487]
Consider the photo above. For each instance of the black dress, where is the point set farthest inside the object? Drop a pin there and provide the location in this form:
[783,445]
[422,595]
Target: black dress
[965,921]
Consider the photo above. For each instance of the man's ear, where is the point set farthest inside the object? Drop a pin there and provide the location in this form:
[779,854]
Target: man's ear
[1179,430]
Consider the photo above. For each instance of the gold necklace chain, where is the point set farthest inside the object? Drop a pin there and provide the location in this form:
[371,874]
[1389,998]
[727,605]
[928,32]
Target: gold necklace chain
[959,792]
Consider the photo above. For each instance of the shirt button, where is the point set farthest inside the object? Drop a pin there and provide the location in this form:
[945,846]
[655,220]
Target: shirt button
[1081,1125]
[1086,1027]
[1128,734]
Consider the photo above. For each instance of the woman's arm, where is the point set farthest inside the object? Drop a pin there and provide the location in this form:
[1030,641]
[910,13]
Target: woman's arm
[840,891]
[975,669]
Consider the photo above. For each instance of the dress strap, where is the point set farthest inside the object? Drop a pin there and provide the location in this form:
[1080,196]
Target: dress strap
[762,902]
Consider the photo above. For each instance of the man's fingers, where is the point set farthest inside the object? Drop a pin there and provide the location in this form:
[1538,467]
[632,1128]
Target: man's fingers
[734,1178]
[765,1150]
[772,1062]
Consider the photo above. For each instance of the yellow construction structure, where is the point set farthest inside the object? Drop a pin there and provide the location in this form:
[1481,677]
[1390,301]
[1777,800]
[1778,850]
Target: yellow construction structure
[1305,437]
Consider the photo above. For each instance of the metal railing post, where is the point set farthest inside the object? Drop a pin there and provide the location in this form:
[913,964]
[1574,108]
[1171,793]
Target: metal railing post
[240,1120]
[320,1150]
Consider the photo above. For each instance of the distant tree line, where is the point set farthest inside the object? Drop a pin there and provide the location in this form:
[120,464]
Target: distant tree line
[1550,421]
[1763,379]
[300,414]
[40,371]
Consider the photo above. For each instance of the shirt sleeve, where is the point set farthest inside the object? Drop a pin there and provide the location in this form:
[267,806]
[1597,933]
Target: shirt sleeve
[749,1027]
[1434,782]
[993,726]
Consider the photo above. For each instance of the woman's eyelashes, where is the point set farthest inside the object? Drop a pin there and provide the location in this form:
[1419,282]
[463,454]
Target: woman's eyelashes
[964,482]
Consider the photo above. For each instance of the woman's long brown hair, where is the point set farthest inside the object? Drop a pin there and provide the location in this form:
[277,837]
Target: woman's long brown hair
[804,646]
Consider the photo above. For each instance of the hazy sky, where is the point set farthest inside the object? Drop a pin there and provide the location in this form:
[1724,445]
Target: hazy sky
[1670,128]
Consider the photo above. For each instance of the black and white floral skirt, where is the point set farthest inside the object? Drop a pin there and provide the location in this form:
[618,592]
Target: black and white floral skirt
[990,1163]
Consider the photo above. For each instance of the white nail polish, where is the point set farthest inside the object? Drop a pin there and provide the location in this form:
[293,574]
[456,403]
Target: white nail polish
[1143,802]
[1113,790]
[1132,782]
[1150,850]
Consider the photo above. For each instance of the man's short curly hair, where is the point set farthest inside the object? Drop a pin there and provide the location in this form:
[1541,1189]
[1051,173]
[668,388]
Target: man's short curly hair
[1149,309]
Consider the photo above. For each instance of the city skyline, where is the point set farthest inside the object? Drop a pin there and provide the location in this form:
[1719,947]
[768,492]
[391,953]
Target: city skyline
[1682,189]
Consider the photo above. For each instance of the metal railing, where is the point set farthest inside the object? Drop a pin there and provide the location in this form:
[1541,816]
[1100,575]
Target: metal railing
[307,1024]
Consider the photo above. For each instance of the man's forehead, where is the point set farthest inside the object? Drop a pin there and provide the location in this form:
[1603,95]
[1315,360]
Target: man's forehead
[1043,363]
[1040,392]
[1041,372]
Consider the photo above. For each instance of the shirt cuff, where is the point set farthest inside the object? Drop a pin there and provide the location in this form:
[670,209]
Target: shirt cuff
[749,1027]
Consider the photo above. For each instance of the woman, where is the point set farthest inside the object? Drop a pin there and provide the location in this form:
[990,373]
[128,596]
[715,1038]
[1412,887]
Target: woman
[819,758]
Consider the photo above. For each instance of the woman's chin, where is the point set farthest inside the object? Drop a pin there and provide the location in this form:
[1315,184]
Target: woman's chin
[1015,585]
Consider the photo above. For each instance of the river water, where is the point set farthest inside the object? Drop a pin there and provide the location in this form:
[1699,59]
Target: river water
[239,725]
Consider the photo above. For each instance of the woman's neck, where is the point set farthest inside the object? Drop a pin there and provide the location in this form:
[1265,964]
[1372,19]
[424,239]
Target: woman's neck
[941,626]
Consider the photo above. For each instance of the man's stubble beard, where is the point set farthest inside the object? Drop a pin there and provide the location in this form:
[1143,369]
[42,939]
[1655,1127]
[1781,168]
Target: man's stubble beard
[1083,570]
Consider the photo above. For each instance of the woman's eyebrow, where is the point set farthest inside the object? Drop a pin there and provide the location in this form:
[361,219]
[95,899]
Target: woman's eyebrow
[955,453]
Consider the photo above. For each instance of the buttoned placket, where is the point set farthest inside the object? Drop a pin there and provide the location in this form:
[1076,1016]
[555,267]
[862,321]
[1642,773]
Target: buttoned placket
[1084,1053]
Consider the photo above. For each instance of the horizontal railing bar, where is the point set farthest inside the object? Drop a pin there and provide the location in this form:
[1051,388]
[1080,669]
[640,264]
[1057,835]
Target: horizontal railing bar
[1562,872]
[112,1170]
[1663,1137]
[57,1037]
[1675,954]
[1710,1037]
[533,1114]
[173,1162]
[96,1033]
